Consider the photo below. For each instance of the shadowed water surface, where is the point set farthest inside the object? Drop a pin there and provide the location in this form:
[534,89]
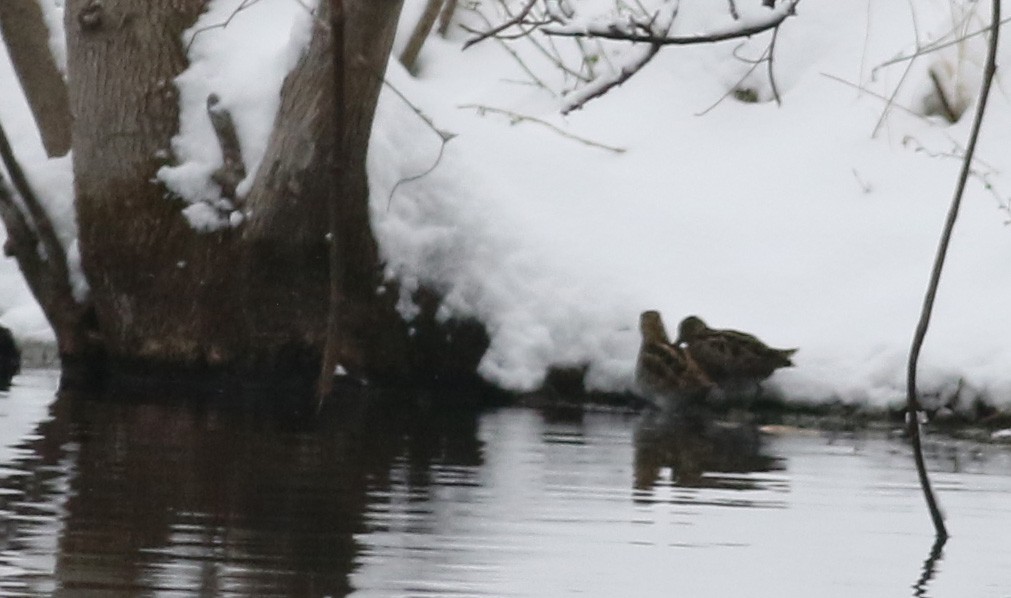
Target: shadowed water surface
[152,498]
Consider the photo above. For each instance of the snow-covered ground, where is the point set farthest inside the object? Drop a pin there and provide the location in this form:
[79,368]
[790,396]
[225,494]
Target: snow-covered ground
[812,224]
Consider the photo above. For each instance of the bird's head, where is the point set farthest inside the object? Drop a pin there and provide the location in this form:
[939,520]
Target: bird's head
[651,326]
[689,329]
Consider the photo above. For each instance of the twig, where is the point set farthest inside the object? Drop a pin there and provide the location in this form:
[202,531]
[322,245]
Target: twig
[515,117]
[50,247]
[420,175]
[446,16]
[578,99]
[444,138]
[222,25]
[875,95]
[930,48]
[914,408]
[949,111]
[599,87]
[421,30]
[776,16]
[494,31]
[984,173]
[890,101]
[555,58]
[772,74]
[533,76]
[764,58]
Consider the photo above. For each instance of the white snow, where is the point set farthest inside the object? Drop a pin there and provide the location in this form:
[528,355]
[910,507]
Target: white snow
[790,222]
[52,11]
[812,224]
[240,51]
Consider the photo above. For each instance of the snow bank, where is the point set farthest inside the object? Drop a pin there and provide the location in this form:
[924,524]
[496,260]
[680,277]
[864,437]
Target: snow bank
[812,224]
[792,222]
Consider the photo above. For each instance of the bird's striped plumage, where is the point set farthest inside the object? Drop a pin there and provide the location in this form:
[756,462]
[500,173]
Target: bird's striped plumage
[730,355]
[664,372]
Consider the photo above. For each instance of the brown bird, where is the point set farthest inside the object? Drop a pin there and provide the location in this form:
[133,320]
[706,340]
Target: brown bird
[665,373]
[730,356]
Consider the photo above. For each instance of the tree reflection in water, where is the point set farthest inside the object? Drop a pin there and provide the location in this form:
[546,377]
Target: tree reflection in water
[151,494]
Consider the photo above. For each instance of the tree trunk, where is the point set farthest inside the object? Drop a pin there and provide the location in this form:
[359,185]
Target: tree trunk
[161,291]
[446,17]
[421,30]
[249,302]
[24,30]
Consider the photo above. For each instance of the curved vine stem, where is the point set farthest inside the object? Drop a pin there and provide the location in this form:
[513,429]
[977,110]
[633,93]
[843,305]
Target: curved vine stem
[914,409]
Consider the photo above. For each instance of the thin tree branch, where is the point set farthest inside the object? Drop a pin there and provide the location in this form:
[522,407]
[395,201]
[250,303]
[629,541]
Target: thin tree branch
[446,16]
[611,31]
[222,25]
[765,58]
[494,31]
[949,111]
[24,31]
[914,409]
[32,241]
[772,73]
[421,30]
[930,48]
[515,117]
[875,95]
[444,138]
[534,79]
[599,87]
[659,25]
[49,241]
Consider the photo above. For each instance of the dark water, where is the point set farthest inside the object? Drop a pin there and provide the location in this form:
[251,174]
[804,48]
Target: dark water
[149,498]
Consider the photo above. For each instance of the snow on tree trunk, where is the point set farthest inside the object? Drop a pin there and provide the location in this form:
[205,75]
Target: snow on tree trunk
[254,298]
[161,291]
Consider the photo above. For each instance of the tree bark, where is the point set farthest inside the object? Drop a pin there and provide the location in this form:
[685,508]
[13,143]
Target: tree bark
[24,30]
[289,205]
[446,17]
[253,301]
[161,291]
[421,30]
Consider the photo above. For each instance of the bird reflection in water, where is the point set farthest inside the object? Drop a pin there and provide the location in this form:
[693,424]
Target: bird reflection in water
[694,446]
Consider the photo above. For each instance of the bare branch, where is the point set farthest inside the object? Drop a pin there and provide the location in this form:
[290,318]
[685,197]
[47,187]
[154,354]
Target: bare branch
[516,117]
[772,73]
[446,16]
[914,409]
[523,65]
[444,138]
[635,33]
[949,111]
[421,30]
[765,58]
[934,47]
[658,25]
[49,242]
[24,31]
[494,31]
[222,25]
[32,241]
